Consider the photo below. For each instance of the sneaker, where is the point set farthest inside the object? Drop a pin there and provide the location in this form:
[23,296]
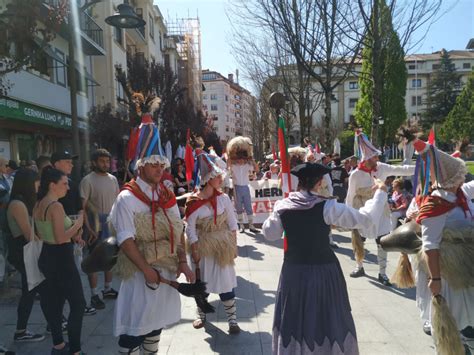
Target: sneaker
[384,280]
[110,293]
[427,328]
[64,350]
[234,328]
[359,272]
[27,336]
[90,311]
[97,303]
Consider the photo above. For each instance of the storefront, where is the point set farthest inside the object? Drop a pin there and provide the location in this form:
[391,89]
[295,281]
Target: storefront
[28,131]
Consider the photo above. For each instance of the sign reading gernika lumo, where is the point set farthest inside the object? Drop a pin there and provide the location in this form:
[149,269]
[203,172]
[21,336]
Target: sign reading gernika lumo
[10,108]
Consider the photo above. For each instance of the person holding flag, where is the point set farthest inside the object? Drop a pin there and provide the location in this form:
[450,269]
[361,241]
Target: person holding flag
[359,191]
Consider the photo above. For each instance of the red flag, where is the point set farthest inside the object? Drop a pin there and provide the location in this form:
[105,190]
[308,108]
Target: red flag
[285,163]
[132,143]
[431,137]
[188,157]
[318,148]
[275,157]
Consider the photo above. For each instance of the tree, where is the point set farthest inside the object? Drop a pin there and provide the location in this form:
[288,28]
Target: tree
[317,41]
[388,99]
[175,114]
[26,27]
[442,91]
[460,121]
[407,18]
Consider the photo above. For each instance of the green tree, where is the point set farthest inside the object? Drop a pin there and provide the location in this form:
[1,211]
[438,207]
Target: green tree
[442,91]
[383,78]
[460,121]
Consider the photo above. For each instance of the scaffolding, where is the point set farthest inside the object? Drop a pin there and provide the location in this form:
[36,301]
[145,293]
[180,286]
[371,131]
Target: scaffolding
[187,35]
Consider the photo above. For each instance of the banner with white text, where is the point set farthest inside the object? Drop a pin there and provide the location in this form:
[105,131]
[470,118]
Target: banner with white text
[264,194]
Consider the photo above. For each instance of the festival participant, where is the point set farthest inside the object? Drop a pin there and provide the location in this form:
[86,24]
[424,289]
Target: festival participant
[399,203]
[339,177]
[312,310]
[446,221]
[359,191]
[211,229]
[149,232]
[241,165]
[274,172]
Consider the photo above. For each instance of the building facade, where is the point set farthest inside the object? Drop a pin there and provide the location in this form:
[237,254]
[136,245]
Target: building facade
[420,68]
[231,106]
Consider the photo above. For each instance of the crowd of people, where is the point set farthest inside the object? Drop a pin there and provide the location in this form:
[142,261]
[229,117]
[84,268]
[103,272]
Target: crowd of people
[167,224]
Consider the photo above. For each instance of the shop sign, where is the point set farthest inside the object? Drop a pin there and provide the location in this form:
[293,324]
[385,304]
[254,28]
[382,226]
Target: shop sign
[19,110]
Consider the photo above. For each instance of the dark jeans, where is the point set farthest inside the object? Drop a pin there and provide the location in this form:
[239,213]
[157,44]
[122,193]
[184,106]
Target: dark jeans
[62,282]
[131,342]
[27,300]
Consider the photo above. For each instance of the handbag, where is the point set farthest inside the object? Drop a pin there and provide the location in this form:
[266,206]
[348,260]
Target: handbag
[31,254]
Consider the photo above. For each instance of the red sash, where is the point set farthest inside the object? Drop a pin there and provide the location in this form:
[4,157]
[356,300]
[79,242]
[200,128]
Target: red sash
[363,167]
[433,206]
[194,203]
[166,199]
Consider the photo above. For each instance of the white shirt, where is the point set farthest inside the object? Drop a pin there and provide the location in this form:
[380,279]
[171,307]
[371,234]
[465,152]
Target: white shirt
[240,174]
[337,214]
[125,207]
[224,204]
[361,179]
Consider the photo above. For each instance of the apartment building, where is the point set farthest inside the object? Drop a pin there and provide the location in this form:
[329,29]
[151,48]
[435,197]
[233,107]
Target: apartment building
[231,106]
[35,116]
[420,68]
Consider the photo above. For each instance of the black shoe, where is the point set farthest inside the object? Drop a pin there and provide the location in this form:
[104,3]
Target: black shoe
[90,311]
[27,336]
[359,272]
[64,350]
[384,280]
[253,229]
[427,328]
[110,293]
[97,303]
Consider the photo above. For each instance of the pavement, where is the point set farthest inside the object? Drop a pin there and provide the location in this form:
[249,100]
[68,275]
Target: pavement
[387,320]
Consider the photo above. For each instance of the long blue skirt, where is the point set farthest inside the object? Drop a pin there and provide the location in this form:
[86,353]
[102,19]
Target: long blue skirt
[312,312]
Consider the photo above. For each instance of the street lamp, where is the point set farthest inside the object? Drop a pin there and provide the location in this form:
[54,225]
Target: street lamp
[125,17]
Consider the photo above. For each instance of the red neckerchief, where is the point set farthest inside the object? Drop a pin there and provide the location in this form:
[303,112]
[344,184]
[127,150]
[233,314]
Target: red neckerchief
[433,206]
[363,167]
[166,199]
[195,202]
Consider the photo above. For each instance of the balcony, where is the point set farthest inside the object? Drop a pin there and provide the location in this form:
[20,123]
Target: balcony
[92,35]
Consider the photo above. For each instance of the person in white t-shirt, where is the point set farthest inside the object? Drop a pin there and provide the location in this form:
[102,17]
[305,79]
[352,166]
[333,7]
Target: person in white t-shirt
[240,170]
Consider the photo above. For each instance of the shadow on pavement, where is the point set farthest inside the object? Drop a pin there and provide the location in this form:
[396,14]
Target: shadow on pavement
[249,251]
[260,239]
[409,293]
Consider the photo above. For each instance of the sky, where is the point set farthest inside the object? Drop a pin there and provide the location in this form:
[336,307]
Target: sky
[452,31]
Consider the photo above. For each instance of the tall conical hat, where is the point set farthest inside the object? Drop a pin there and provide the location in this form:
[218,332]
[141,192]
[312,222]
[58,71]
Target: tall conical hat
[207,168]
[363,148]
[449,171]
[148,148]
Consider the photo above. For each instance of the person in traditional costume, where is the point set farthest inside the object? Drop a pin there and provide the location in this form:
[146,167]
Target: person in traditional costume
[150,234]
[211,231]
[241,166]
[359,190]
[312,310]
[447,233]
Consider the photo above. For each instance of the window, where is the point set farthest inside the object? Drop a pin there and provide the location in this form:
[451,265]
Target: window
[466,65]
[119,90]
[411,67]
[435,66]
[226,98]
[213,107]
[80,79]
[227,128]
[60,68]
[213,96]
[204,97]
[118,35]
[416,83]
[215,118]
[353,85]
[151,26]
[209,76]
[352,103]
[416,101]
[42,63]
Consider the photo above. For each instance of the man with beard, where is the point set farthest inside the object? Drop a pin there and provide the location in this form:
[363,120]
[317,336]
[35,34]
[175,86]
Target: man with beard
[98,190]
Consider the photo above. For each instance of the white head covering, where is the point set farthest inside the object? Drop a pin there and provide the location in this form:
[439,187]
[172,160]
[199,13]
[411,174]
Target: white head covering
[363,148]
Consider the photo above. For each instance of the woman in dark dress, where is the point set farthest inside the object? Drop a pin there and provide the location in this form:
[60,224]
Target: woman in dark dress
[312,311]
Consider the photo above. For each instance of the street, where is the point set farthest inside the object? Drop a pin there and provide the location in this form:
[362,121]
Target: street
[386,319]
